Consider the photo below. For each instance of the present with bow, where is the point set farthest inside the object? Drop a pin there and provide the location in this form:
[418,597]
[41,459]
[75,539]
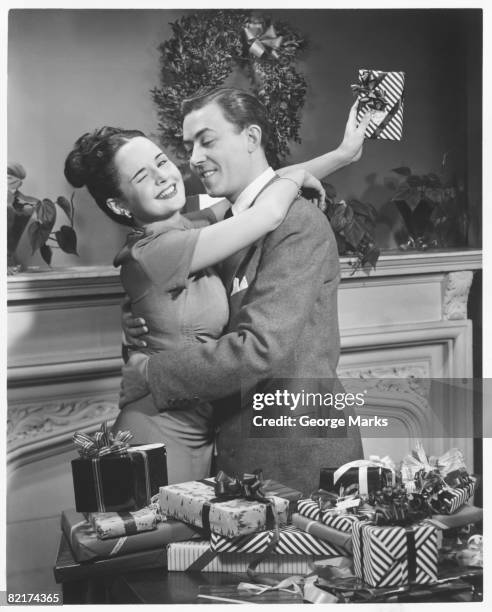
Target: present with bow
[382,93]
[362,476]
[395,555]
[442,481]
[117,524]
[87,546]
[224,505]
[112,476]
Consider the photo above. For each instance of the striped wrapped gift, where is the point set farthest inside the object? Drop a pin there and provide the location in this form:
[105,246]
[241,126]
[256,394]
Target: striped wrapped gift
[386,124]
[341,539]
[393,556]
[197,556]
[310,509]
[291,541]
[451,499]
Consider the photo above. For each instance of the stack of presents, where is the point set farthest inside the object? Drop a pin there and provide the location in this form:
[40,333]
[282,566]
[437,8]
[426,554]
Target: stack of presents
[370,525]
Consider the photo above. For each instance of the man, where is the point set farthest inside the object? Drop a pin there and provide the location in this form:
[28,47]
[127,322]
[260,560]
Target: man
[282,335]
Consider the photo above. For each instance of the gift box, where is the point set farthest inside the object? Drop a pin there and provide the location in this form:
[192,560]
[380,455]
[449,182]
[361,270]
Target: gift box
[361,476]
[394,555]
[196,502]
[119,482]
[381,92]
[330,517]
[450,500]
[198,556]
[442,481]
[290,541]
[341,538]
[116,524]
[86,546]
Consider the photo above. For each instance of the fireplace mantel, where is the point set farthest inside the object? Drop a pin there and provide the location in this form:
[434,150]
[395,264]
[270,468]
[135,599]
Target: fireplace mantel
[405,318]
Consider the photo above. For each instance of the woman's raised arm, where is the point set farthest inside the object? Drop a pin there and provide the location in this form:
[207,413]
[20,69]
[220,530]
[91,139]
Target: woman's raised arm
[219,241]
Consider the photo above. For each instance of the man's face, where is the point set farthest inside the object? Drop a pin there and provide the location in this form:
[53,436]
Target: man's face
[220,154]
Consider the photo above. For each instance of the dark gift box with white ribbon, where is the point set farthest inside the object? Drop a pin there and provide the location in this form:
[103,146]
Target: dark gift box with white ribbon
[111,476]
[361,476]
[394,555]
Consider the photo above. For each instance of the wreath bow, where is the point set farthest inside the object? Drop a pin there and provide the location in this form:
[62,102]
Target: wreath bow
[261,41]
[369,90]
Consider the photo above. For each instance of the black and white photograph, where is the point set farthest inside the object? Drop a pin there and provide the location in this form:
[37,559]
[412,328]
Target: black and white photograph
[286,402]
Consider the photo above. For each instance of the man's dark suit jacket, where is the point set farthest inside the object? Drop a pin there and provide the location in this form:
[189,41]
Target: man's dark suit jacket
[284,325]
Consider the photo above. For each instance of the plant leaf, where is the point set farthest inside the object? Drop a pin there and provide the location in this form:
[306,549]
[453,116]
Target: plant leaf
[402,170]
[38,235]
[46,213]
[67,239]
[65,205]
[46,253]
[354,232]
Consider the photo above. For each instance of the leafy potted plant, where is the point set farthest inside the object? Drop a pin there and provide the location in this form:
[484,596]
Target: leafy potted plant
[39,216]
[433,208]
[353,223]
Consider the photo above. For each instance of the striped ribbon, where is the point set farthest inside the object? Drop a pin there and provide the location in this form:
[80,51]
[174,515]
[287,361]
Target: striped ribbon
[391,125]
[391,556]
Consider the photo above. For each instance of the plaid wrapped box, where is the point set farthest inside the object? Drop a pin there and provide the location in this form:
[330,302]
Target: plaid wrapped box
[116,524]
[362,476]
[291,541]
[198,556]
[341,539]
[392,556]
[382,92]
[195,503]
[116,483]
[86,546]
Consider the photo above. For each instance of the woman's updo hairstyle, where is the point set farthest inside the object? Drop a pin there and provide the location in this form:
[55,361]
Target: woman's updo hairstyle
[91,163]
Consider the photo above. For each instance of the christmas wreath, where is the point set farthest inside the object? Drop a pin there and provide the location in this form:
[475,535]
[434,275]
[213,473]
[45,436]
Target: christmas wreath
[207,47]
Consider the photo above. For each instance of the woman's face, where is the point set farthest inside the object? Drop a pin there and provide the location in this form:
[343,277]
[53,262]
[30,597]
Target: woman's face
[151,185]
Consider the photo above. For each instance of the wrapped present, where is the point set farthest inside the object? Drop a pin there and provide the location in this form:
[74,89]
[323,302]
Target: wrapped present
[443,482]
[112,476]
[198,556]
[86,546]
[290,541]
[395,555]
[381,92]
[212,505]
[331,517]
[362,476]
[339,538]
[116,524]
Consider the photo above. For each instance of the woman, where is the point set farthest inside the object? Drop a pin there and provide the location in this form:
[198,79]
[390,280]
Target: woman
[166,268]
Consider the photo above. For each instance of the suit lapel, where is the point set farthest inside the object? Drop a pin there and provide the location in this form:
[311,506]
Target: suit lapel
[235,266]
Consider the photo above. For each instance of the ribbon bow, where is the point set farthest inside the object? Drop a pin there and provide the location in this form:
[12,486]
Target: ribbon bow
[369,91]
[260,41]
[249,487]
[102,443]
